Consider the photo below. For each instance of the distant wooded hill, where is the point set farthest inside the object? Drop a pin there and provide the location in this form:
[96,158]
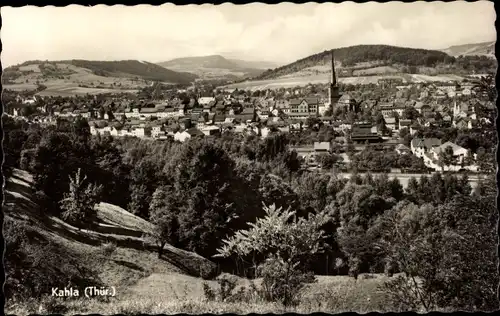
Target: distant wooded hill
[401,59]
[217,66]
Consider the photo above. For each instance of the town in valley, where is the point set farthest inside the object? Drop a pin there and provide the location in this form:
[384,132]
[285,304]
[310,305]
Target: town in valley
[412,122]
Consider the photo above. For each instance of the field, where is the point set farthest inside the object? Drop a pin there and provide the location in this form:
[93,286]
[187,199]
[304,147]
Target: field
[293,81]
[147,284]
[68,80]
[209,72]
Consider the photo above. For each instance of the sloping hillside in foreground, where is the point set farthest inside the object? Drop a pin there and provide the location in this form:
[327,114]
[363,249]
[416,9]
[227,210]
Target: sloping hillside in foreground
[146,284]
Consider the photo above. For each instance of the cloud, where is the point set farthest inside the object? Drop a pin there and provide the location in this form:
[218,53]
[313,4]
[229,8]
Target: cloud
[283,32]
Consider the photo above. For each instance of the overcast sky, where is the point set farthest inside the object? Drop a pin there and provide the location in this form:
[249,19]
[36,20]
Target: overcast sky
[281,33]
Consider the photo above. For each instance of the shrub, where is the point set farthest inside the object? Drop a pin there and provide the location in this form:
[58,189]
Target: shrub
[224,291]
[282,281]
[79,203]
[30,261]
[286,244]
[108,248]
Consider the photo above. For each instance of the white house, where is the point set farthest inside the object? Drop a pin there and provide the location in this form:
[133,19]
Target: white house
[139,132]
[390,122]
[182,136]
[420,146]
[205,100]
[187,134]
[210,130]
[402,149]
[263,114]
[466,91]
[404,123]
[156,131]
[31,100]
[321,147]
[458,151]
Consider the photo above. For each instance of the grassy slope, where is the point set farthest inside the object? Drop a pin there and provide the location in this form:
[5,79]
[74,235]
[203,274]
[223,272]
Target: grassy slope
[300,80]
[97,76]
[486,48]
[146,284]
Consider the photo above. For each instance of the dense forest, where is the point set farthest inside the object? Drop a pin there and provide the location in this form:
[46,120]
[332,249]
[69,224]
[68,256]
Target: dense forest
[384,55]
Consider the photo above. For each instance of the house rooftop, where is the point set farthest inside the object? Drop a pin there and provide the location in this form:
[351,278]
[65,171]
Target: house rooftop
[427,143]
[322,146]
[454,146]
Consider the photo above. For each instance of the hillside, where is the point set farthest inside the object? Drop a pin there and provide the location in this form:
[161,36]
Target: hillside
[141,69]
[478,49]
[380,60]
[144,283]
[134,259]
[254,64]
[304,78]
[216,66]
[73,77]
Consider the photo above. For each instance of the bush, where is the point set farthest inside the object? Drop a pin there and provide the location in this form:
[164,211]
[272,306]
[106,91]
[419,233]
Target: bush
[52,305]
[223,293]
[79,203]
[287,242]
[34,265]
[26,160]
[282,281]
[108,248]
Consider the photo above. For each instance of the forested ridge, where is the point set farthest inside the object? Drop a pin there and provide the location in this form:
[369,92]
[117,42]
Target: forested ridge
[385,55]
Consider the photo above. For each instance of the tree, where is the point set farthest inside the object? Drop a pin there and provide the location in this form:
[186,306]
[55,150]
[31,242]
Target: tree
[401,233]
[12,143]
[79,203]
[486,87]
[81,128]
[448,254]
[327,161]
[405,135]
[412,190]
[485,160]
[468,160]
[163,214]
[285,242]
[357,207]
[144,179]
[447,157]
[410,113]
[213,198]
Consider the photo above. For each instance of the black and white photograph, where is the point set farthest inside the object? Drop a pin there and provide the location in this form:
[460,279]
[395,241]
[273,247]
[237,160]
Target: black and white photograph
[250,158]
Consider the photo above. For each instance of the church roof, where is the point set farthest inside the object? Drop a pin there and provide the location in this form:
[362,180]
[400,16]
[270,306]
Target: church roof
[346,98]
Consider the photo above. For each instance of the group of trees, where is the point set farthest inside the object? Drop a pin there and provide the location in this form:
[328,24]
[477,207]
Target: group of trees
[383,160]
[205,191]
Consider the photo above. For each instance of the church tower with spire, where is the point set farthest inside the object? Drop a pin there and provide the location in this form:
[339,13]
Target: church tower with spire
[333,90]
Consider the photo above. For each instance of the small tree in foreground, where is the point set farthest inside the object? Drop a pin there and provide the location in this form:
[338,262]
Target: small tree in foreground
[79,203]
[286,242]
[163,213]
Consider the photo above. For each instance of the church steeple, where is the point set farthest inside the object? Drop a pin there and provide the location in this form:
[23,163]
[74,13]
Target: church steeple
[333,90]
[334,78]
